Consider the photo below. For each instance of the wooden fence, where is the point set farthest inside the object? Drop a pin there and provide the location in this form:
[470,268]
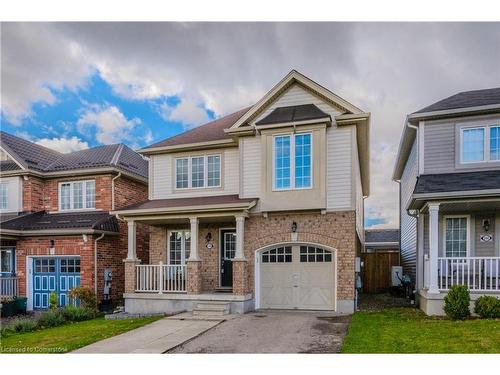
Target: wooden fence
[376,270]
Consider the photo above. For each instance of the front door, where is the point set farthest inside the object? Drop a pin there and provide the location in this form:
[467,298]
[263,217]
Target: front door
[227,252]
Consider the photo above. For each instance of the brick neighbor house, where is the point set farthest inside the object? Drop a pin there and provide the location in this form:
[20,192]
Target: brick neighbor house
[262,208]
[56,231]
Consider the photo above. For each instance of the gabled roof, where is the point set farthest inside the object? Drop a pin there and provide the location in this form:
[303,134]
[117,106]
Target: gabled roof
[209,132]
[96,221]
[381,235]
[293,113]
[30,155]
[41,159]
[465,99]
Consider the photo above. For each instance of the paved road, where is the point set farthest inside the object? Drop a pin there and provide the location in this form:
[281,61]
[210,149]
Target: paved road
[273,332]
[157,337]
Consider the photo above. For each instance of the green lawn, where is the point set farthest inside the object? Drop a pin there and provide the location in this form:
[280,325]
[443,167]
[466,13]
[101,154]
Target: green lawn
[70,336]
[407,330]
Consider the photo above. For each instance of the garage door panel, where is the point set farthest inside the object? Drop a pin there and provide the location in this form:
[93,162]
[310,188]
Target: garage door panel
[307,281]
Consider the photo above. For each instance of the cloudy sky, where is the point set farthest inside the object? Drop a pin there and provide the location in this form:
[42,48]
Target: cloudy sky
[76,85]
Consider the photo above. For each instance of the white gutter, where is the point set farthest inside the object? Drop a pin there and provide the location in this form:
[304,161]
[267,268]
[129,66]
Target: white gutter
[113,190]
[95,262]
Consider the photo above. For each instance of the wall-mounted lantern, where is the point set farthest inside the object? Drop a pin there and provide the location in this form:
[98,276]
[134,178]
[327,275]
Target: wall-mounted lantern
[208,240]
[486,225]
[294,227]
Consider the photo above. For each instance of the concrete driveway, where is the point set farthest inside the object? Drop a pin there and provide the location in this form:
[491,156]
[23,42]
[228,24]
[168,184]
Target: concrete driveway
[273,332]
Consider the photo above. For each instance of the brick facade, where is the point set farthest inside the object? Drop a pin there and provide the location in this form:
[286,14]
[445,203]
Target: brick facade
[336,230]
[111,250]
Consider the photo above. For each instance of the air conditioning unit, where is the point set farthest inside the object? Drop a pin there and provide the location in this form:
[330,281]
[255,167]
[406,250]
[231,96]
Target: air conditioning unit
[395,272]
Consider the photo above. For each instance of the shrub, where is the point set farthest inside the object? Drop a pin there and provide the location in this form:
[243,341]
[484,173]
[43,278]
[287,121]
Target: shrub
[20,325]
[77,314]
[456,303]
[487,307]
[86,297]
[53,300]
[51,318]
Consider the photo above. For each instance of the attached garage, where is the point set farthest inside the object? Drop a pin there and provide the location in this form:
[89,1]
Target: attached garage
[297,277]
[54,274]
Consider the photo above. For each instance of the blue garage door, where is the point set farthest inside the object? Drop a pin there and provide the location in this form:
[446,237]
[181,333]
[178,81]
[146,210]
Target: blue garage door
[54,275]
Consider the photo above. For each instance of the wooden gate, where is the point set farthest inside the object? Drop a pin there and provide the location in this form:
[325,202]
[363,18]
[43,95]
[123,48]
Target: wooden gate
[376,270]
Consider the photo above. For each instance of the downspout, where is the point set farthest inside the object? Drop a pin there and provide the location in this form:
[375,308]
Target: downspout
[95,262]
[113,190]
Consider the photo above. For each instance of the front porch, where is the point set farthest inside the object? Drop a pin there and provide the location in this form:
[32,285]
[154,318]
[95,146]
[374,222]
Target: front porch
[196,260]
[457,245]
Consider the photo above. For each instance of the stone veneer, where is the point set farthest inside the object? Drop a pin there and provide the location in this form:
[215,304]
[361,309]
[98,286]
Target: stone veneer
[336,230]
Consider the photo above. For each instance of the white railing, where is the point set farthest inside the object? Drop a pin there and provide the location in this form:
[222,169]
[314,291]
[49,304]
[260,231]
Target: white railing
[160,278]
[8,286]
[477,273]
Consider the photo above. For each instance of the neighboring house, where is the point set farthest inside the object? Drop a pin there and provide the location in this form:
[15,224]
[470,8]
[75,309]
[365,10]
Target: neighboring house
[56,230]
[381,240]
[262,208]
[448,167]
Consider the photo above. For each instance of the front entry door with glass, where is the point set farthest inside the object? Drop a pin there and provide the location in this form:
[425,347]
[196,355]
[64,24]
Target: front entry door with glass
[227,253]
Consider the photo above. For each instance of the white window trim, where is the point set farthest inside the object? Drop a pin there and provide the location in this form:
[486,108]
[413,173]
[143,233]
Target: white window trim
[486,146]
[205,172]
[183,246]
[292,162]
[6,184]
[12,261]
[467,243]
[84,202]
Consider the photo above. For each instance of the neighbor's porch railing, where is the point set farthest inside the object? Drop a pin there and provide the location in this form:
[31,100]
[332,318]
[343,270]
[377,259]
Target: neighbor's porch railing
[477,273]
[8,286]
[159,278]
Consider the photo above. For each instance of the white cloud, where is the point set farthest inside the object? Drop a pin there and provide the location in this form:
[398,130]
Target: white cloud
[64,145]
[108,122]
[188,112]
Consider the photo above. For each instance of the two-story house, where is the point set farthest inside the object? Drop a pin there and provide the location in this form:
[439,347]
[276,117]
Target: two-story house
[262,208]
[448,167]
[56,231]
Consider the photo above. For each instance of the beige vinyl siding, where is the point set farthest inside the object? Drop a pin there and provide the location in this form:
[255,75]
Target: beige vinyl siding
[250,150]
[439,147]
[163,178]
[339,167]
[408,223]
[14,194]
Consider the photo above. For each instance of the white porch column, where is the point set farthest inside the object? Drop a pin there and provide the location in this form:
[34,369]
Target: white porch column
[420,251]
[132,231]
[240,237]
[433,247]
[193,255]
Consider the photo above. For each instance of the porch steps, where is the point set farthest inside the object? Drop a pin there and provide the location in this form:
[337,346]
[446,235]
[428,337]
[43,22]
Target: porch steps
[211,308]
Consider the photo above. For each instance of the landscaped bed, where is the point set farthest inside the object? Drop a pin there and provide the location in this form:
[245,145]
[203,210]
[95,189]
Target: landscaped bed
[408,330]
[68,337]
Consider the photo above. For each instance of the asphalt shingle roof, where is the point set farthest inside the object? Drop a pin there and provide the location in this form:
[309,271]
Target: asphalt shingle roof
[45,160]
[466,99]
[448,182]
[8,165]
[212,131]
[293,113]
[100,221]
[382,235]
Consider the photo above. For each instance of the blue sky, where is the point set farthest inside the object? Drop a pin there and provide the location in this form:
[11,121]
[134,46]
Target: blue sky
[61,119]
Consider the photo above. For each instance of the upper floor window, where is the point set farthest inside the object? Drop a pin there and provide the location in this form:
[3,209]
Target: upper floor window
[480,144]
[292,160]
[198,172]
[77,195]
[4,195]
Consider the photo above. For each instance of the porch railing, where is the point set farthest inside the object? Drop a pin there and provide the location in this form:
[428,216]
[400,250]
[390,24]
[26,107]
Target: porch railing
[477,273]
[160,278]
[8,286]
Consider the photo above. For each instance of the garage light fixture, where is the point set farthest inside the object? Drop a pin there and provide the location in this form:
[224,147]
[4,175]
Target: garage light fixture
[294,227]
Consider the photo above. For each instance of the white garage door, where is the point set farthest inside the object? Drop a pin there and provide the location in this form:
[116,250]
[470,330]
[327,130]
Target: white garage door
[297,277]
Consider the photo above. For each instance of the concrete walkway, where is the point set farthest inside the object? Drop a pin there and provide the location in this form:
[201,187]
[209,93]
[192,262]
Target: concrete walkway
[157,337]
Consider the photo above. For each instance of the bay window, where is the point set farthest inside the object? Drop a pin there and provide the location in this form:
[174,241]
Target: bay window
[198,172]
[77,195]
[480,144]
[292,161]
